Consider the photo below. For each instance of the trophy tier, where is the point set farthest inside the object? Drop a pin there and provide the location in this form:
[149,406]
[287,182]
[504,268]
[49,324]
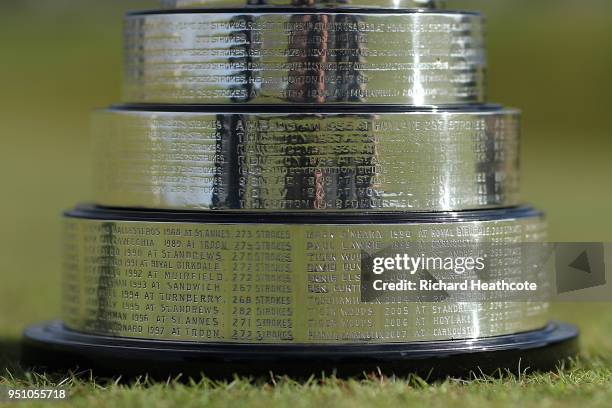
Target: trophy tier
[273,57]
[291,279]
[217,159]
[268,157]
[224,292]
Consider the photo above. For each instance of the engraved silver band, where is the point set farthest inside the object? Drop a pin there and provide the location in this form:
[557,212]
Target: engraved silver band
[363,4]
[424,58]
[317,162]
[178,276]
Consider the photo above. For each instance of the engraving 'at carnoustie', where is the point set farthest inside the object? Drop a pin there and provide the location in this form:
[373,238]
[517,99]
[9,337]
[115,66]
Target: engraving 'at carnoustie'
[386,4]
[276,283]
[420,161]
[425,58]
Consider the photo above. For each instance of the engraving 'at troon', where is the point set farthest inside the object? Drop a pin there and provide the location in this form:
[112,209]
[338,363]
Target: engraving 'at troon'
[421,58]
[420,161]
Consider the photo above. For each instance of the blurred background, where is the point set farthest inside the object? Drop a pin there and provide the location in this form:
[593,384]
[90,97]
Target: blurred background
[62,58]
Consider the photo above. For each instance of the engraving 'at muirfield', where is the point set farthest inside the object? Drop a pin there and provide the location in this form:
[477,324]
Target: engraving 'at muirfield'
[422,58]
[420,161]
[274,283]
[386,4]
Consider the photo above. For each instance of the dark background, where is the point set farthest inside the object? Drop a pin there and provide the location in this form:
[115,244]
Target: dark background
[61,59]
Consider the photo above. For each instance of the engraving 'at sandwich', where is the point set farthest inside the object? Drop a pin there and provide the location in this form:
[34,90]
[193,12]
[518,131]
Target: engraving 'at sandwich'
[425,58]
[365,4]
[418,161]
[280,283]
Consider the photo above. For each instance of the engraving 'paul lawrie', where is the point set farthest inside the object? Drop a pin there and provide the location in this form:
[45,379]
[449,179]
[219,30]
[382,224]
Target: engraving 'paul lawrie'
[364,4]
[415,58]
[415,161]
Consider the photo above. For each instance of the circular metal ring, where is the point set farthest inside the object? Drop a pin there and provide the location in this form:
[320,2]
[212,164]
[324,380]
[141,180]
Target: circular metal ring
[362,4]
[315,162]
[51,345]
[277,280]
[272,57]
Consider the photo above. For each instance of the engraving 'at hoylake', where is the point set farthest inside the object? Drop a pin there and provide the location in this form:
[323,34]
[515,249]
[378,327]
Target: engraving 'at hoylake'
[419,161]
[385,4]
[274,283]
[427,58]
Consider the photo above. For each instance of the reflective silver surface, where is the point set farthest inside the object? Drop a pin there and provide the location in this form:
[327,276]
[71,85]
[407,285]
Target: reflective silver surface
[418,161]
[385,4]
[257,282]
[424,58]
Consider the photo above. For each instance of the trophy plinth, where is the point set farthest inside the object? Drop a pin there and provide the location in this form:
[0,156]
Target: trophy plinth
[51,345]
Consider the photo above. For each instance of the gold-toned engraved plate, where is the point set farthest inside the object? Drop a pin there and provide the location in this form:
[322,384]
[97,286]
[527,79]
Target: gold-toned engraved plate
[418,161]
[366,4]
[425,58]
[278,283]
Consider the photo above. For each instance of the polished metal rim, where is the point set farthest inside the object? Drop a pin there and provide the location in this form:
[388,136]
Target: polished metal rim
[425,58]
[383,4]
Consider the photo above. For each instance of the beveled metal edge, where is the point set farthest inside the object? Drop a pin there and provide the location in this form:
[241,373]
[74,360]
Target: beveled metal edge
[303,11]
[361,4]
[309,109]
[97,212]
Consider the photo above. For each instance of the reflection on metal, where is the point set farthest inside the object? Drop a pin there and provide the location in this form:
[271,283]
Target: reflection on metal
[411,161]
[190,277]
[361,4]
[423,58]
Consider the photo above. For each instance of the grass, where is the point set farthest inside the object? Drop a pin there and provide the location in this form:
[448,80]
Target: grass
[67,62]
[561,389]
[588,379]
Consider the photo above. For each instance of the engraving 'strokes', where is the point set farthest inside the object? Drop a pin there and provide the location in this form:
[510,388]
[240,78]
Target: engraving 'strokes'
[420,59]
[257,282]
